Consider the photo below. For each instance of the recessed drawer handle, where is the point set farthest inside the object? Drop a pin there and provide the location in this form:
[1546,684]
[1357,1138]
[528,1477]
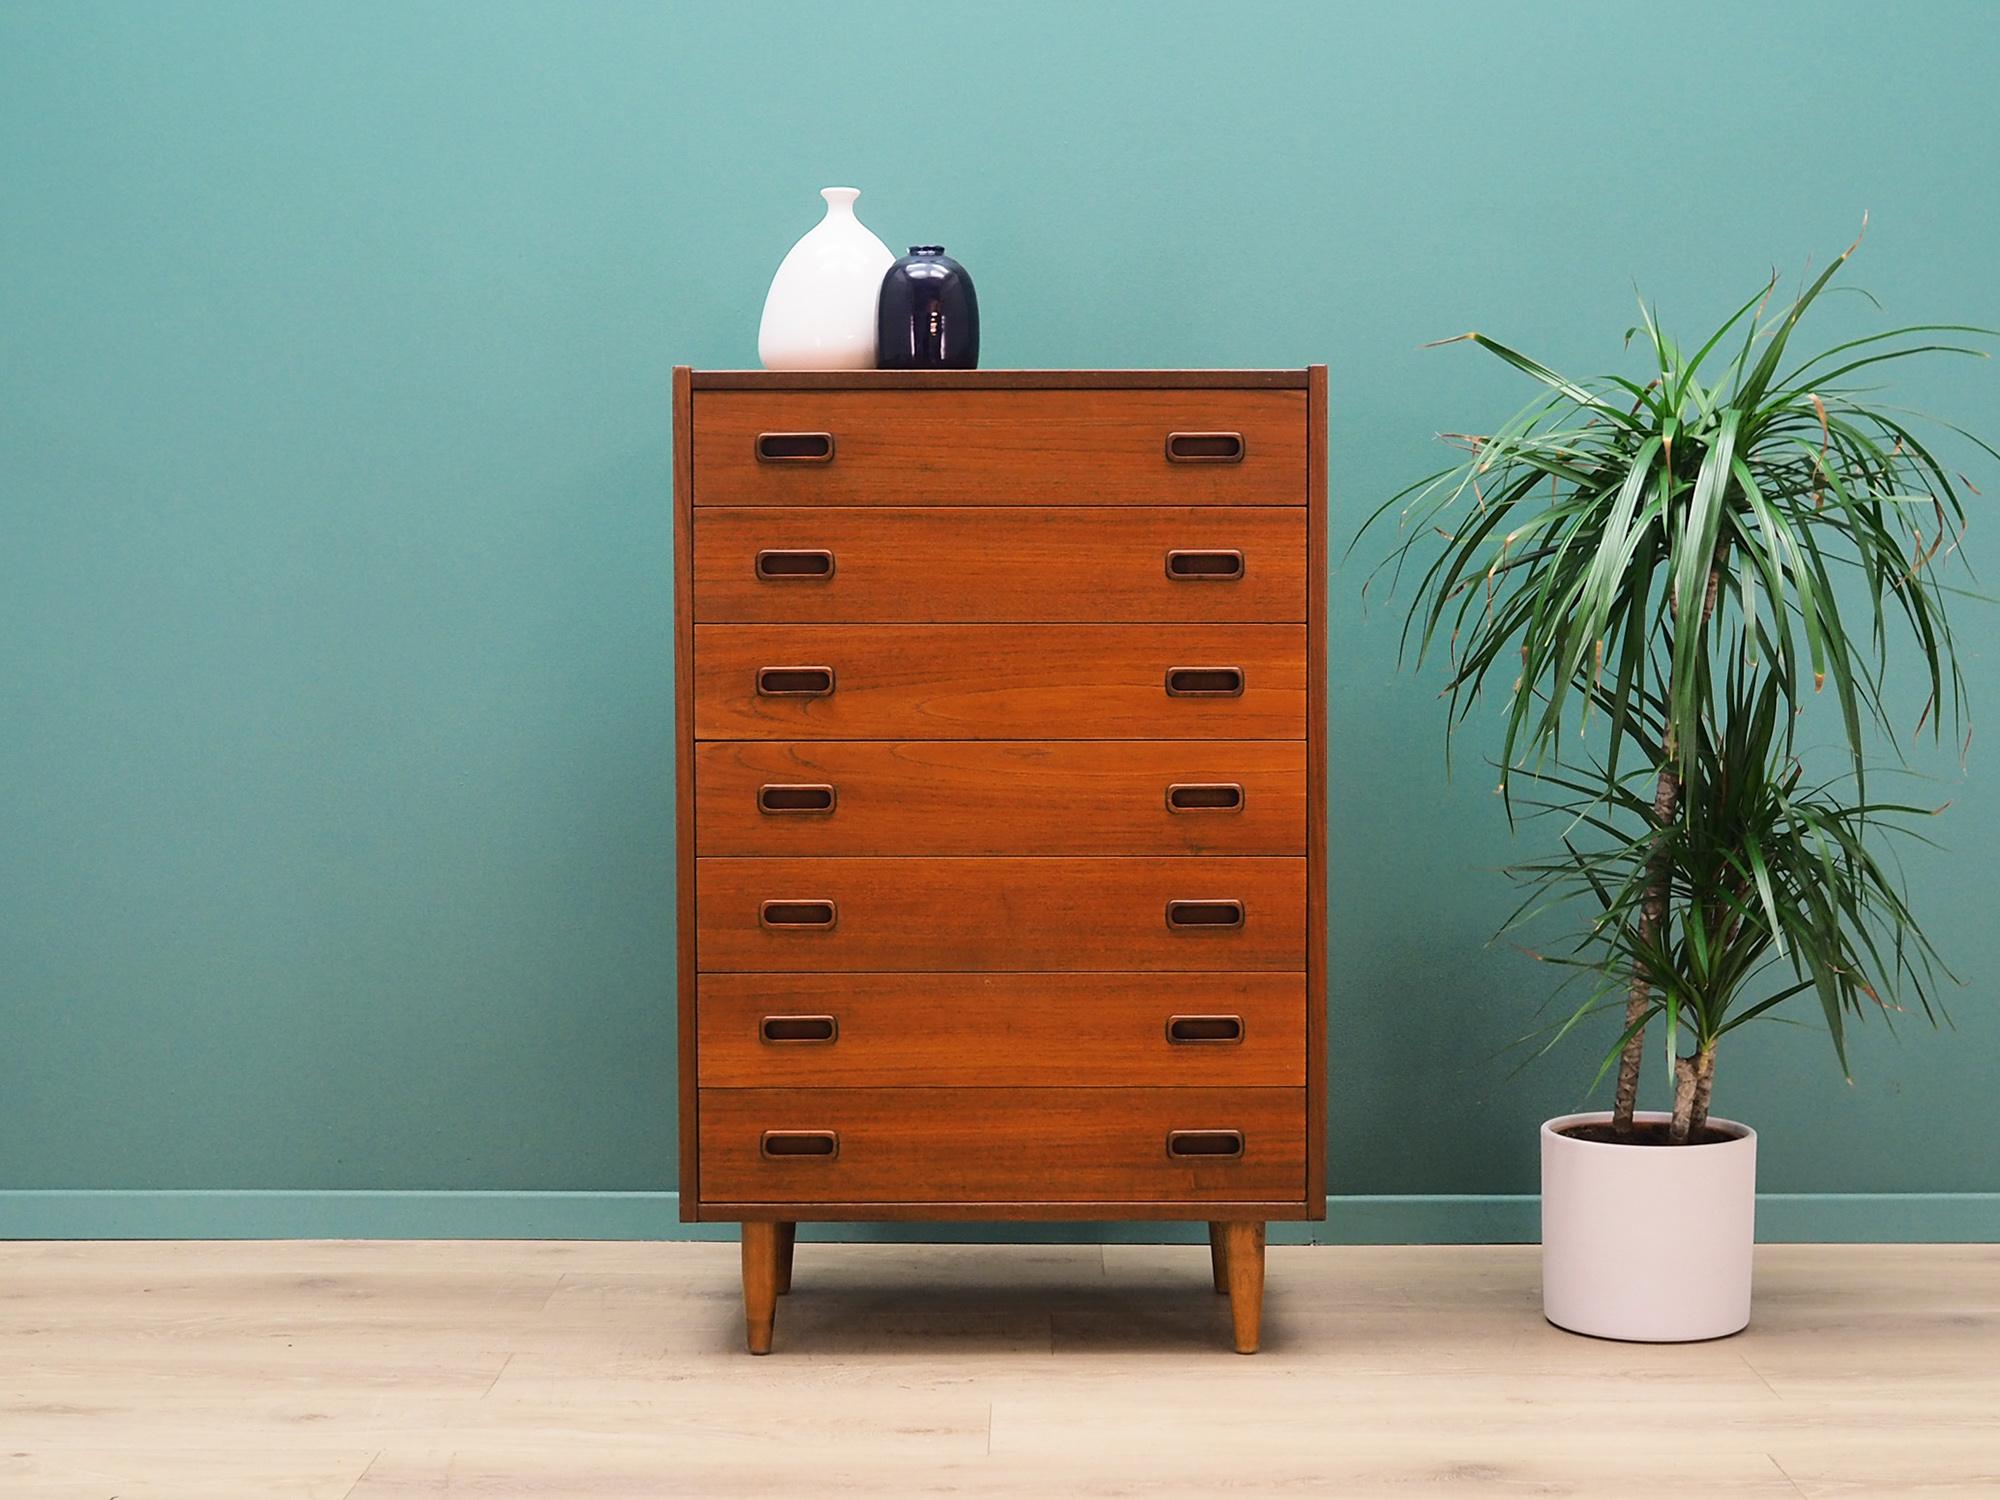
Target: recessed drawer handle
[1204,447]
[1205,796]
[1197,682]
[1190,1143]
[774,798]
[776,1144]
[1204,914]
[797,916]
[777,563]
[799,1029]
[1224,565]
[794,447]
[794,682]
[1210,1030]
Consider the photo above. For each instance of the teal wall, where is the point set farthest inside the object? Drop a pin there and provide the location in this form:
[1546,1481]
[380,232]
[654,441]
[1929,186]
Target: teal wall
[335,836]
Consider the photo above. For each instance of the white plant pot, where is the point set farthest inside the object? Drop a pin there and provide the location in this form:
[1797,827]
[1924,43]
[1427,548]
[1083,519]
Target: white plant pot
[1648,1243]
[820,311]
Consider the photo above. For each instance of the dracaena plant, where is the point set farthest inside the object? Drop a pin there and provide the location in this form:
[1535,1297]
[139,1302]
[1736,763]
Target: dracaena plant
[1656,582]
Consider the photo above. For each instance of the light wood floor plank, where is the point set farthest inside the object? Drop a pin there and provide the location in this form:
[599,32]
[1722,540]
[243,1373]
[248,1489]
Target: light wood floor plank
[408,1371]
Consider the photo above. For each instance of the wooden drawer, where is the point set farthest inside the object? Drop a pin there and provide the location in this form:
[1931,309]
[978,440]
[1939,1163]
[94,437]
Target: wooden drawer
[1079,682]
[820,797]
[1001,1030]
[1050,447]
[999,1145]
[793,566]
[997,914]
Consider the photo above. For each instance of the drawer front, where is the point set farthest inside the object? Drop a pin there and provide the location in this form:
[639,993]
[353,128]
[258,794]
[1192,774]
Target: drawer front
[822,797]
[1071,447]
[1081,682]
[1001,1145]
[897,565]
[1001,1030]
[846,915]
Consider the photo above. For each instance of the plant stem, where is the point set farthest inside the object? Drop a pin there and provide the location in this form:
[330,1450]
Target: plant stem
[1685,1083]
[1704,1085]
[1694,1079]
[1652,916]
[1659,877]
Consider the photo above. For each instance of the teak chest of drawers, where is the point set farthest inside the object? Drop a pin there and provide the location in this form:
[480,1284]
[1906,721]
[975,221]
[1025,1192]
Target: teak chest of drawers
[1001,704]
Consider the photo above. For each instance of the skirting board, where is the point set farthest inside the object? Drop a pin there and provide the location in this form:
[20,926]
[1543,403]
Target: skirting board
[1445,1219]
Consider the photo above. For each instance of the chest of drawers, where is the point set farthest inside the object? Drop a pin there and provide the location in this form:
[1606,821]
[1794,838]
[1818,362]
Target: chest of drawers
[1000,742]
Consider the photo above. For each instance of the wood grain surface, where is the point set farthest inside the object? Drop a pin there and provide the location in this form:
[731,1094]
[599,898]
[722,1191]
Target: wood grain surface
[1003,796]
[1000,447]
[1004,1030]
[682,501]
[897,565]
[1078,682]
[924,915]
[976,1145]
[1317,811]
[558,1369]
[998,380]
[970,572]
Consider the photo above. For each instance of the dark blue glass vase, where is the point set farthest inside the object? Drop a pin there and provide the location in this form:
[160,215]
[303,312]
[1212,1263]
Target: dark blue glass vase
[928,315]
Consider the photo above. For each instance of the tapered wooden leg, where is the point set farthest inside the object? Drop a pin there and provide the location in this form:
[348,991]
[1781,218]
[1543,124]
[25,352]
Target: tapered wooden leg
[1243,1255]
[760,1284]
[788,1236]
[1218,1260]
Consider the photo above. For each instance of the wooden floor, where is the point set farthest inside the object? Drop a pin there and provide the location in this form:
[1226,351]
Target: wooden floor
[380,1371]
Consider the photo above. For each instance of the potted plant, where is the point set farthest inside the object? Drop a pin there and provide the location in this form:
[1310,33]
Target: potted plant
[1656,582]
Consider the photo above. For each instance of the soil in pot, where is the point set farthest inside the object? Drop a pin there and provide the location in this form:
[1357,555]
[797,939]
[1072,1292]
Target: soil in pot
[1643,1133]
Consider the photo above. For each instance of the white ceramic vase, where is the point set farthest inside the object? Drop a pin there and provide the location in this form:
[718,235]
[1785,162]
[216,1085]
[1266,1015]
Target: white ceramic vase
[820,312]
[1648,1243]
